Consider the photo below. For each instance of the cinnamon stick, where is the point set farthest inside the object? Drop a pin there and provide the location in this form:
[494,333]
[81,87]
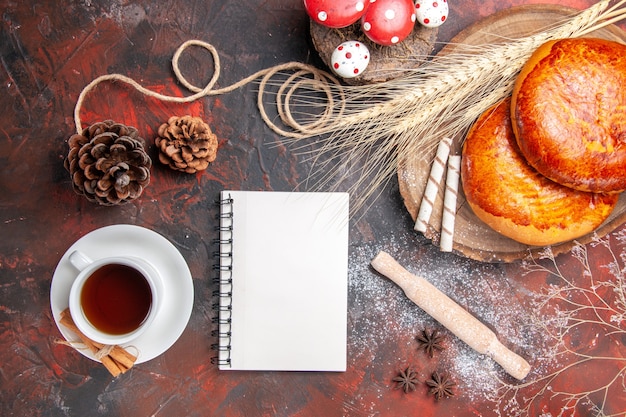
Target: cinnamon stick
[119,355]
[117,361]
[123,358]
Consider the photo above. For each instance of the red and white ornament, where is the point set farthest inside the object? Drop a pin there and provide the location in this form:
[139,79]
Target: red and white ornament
[431,13]
[350,59]
[387,22]
[336,13]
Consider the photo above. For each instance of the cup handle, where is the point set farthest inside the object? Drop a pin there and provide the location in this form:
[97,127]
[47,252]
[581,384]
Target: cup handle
[79,260]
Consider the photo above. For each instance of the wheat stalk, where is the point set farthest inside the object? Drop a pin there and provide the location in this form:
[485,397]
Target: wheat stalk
[379,125]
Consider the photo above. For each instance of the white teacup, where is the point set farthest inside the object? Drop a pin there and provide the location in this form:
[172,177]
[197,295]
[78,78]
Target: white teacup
[114,300]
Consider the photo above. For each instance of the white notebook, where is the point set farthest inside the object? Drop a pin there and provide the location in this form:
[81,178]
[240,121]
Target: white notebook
[283,281]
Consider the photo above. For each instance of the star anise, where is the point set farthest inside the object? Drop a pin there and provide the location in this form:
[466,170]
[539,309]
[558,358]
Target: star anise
[440,386]
[429,341]
[407,380]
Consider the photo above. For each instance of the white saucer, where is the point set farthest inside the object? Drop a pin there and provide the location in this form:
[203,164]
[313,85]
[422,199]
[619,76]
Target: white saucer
[136,241]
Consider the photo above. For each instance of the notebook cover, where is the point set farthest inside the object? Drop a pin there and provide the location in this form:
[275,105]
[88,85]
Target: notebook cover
[284,258]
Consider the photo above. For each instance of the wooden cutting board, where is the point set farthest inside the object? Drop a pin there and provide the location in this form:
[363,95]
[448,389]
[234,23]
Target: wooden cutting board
[473,238]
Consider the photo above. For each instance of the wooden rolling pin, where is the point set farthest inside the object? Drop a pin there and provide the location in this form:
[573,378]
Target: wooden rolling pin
[456,319]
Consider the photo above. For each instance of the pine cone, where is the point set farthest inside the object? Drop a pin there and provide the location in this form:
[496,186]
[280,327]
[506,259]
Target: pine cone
[108,163]
[186,144]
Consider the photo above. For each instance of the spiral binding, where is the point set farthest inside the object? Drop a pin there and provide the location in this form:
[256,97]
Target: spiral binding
[223,269]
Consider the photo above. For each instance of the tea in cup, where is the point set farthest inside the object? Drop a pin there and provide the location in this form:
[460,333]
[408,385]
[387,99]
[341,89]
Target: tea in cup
[113,300]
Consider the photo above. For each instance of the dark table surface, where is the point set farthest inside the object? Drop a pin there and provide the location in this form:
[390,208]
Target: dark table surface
[50,50]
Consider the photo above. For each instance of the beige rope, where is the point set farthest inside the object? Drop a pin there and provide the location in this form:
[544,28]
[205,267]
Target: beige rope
[78,345]
[304,75]
[105,351]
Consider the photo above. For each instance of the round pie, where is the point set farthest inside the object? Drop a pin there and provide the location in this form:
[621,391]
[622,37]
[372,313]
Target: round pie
[511,197]
[569,113]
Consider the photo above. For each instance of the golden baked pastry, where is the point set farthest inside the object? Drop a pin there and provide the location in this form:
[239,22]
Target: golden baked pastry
[569,113]
[513,198]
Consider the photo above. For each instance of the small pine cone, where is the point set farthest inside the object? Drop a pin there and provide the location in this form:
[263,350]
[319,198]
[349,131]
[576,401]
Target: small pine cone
[108,163]
[186,144]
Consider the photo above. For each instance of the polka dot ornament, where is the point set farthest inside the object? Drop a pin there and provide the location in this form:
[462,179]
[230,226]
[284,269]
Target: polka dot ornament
[431,13]
[350,59]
